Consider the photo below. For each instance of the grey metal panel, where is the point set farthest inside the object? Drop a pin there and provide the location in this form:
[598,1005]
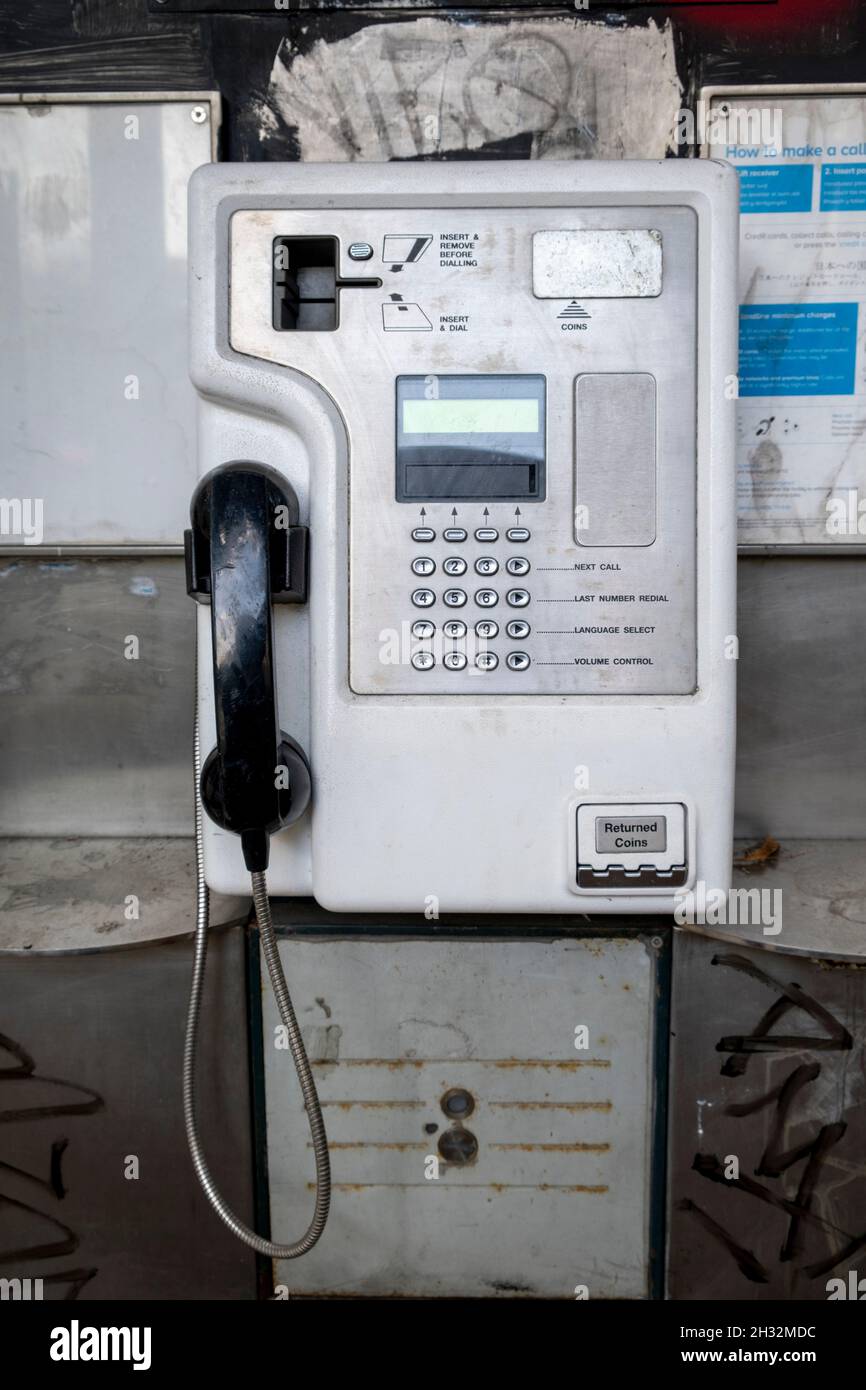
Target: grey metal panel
[92,743]
[801,696]
[558,1193]
[96,408]
[615,459]
[730,1236]
[105,1031]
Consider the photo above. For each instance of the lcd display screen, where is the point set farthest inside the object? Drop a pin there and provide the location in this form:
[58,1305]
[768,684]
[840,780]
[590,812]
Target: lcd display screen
[464,438]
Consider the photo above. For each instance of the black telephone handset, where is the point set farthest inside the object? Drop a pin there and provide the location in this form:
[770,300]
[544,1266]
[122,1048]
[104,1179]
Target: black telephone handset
[244,551]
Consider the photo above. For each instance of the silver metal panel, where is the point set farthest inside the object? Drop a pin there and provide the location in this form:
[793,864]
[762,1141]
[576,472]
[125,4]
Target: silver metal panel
[801,736]
[615,459]
[93,743]
[97,417]
[767,1194]
[581,611]
[612,263]
[557,1193]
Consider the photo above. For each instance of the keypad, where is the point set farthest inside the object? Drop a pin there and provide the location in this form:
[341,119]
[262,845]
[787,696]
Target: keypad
[485,630]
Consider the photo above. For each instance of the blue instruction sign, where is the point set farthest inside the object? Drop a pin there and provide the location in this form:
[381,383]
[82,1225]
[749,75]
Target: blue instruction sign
[798,349]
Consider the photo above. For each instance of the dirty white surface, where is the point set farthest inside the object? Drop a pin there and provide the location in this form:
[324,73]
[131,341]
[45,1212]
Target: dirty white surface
[606,263]
[97,416]
[427,87]
[76,894]
[558,1193]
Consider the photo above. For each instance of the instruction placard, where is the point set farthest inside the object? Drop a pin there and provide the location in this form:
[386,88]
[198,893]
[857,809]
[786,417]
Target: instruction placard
[801,430]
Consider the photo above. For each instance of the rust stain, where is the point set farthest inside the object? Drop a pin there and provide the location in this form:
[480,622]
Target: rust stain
[376,1104]
[573,1105]
[394,1063]
[555,1148]
[373,1144]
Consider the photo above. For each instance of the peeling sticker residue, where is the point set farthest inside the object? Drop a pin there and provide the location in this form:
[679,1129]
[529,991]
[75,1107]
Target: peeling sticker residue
[142,586]
[574,89]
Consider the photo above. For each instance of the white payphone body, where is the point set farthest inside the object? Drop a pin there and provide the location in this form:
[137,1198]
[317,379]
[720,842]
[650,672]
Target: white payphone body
[502,394]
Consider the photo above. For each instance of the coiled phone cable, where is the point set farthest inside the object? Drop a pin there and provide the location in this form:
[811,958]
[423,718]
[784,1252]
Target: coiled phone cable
[268,1248]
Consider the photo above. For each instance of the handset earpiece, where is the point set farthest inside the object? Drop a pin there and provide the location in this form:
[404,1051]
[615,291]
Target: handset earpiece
[244,551]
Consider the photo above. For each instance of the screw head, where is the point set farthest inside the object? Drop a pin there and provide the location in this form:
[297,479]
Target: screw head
[199,114]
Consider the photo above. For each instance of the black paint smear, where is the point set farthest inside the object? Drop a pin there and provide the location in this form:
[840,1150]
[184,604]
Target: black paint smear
[746,1260]
[39,1252]
[838,1038]
[53,1184]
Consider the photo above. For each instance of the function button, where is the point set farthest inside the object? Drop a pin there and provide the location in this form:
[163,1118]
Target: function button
[518,629]
[487,661]
[517,564]
[487,533]
[423,598]
[423,533]
[454,598]
[517,598]
[423,661]
[486,564]
[455,564]
[487,629]
[423,565]
[454,661]
[517,661]
[517,533]
[454,533]
[454,629]
[486,598]
[423,629]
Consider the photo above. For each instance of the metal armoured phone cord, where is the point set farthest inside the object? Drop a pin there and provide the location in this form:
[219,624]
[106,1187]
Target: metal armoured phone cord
[299,1056]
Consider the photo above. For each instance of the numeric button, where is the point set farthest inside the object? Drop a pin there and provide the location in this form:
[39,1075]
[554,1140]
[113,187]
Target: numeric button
[486,598]
[487,629]
[454,629]
[454,661]
[423,661]
[423,598]
[487,661]
[423,565]
[455,564]
[454,598]
[423,629]
[517,598]
[486,564]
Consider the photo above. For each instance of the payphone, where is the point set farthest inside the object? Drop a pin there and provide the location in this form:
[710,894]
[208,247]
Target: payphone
[464,544]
